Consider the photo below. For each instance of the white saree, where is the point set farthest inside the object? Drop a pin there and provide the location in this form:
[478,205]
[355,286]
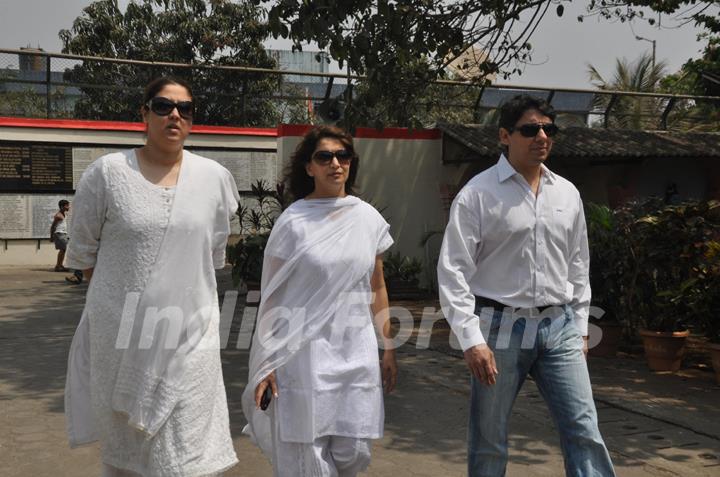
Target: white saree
[315,327]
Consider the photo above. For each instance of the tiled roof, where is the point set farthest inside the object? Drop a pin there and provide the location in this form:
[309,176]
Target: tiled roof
[597,143]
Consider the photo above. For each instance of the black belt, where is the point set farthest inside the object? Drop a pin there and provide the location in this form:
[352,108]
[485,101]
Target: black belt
[489,303]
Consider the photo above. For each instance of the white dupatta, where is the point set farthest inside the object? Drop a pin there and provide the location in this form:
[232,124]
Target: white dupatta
[316,252]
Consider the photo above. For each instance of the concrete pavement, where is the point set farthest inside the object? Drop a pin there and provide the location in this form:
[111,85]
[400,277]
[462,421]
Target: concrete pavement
[655,425]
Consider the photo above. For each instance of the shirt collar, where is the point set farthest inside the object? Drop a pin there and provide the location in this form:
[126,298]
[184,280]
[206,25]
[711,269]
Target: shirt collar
[506,171]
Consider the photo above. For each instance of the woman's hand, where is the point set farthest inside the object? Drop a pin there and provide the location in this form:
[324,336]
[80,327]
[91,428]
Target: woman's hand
[260,389]
[388,367]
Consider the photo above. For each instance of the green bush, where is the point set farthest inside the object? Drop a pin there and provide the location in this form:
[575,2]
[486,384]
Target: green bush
[649,260]
[399,268]
[256,222]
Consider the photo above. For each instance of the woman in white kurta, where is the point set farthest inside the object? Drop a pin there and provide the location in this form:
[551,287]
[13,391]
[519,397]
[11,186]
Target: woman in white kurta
[315,345]
[144,373]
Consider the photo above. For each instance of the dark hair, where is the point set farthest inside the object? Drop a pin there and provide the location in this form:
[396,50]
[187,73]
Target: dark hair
[156,85]
[512,110]
[299,183]
[63,203]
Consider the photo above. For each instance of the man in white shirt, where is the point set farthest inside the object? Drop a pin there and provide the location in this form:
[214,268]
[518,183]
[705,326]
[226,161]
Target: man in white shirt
[514,286]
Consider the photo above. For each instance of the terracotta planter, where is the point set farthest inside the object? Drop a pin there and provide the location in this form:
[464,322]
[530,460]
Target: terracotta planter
[609,342]
[714,349]
[664,350]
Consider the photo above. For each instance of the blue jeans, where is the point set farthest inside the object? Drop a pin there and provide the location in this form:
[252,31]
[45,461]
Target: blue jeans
[552,354]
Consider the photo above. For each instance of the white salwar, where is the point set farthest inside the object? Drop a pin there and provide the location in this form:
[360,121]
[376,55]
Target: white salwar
[144,372]
[315,328]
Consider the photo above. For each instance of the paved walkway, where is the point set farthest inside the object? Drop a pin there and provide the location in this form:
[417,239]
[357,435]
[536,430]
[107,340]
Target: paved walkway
[655,425]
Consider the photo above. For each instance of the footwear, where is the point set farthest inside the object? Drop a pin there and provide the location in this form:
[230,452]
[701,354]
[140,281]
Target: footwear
[62,269]
[73,279]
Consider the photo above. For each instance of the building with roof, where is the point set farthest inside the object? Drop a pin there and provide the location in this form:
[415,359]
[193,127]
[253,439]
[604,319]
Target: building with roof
[608,166]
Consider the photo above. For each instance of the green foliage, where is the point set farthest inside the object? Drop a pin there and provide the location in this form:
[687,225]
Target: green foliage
[607,261]
[702,292]
[684,11]
[698,76]
[695,78]
[399,268]
[199,32]
[403,46]
[246,258]
[631,112]
[661,245]
[26,102]
[256,223]
[422,105]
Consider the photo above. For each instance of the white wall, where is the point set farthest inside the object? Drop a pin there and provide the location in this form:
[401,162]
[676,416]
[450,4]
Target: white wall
[27,252]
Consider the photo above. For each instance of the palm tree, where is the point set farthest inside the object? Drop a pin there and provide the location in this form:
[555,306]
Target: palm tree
[631,112]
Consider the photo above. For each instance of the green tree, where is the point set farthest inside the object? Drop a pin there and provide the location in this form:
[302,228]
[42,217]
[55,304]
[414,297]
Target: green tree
[422,105]
[204,33]
[631,112]
[698,76]
[26,101]
[702,13]
[402,46]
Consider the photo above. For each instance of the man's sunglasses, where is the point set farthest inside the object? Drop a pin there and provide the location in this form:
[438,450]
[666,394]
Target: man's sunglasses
[325,157]
[532,130]
[163,106]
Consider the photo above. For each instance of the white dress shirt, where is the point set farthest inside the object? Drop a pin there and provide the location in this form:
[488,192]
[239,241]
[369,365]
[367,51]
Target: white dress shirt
[505,243]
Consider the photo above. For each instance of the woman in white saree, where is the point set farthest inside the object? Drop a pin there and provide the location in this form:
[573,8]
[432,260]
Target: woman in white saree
[314,345]
[144,372]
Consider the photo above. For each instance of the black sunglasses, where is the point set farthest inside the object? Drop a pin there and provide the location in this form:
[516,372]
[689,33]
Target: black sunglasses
[163,106]
[325,157]
[532,130]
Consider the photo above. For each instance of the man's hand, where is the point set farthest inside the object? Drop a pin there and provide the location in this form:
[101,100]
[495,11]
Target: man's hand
[585,345]
[481,361]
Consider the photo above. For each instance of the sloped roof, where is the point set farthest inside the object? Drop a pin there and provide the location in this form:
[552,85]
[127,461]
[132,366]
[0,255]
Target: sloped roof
[597,143]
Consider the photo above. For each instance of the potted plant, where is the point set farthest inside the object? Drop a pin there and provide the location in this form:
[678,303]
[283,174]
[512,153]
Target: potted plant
[256,221]
[401,276]
[607,255]
[664,243]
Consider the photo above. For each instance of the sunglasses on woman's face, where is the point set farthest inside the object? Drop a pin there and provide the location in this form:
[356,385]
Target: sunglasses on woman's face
[325,157]
[532,130]
[163,106]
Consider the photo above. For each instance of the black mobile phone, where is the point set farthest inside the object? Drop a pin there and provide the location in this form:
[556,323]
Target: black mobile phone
[266,398]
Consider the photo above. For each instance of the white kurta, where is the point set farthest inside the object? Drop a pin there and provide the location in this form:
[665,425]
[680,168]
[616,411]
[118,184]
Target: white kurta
[329,382]
[119,223]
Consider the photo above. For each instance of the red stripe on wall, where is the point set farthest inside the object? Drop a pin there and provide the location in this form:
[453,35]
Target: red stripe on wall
[126,126]
[293,129]
[366,133]
[397,133]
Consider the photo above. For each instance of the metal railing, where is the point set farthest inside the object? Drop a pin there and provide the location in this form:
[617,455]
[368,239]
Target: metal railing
[51,85]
